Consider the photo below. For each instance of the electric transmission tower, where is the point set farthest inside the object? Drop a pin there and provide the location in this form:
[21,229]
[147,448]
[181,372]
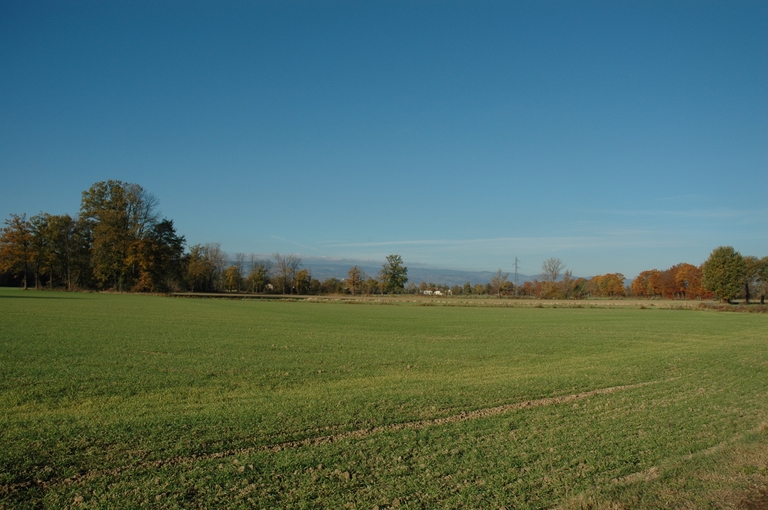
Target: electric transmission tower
[516,282]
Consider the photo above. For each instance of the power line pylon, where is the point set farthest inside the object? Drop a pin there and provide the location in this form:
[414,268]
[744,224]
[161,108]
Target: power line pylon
[516,282]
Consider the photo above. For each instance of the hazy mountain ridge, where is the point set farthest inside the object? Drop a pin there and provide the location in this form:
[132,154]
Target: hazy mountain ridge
[322,270]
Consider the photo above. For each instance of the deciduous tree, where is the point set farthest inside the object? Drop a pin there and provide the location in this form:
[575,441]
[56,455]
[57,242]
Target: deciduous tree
[258,278]
[551,269]
[302,281]
[232,278]
[639,285]
[762,279]
[652,282]
[333,286]
[205,265]
[580,288]
[62,232]
[499,283]
[688,278]
[168,267]
[118,214]
[16,247]
[393,274]
[566,284]
[372,285]
[752,270]
[669,284]
[286,267]
[724,273]
[240,262]
[608,285]
[355,280]
[43,254]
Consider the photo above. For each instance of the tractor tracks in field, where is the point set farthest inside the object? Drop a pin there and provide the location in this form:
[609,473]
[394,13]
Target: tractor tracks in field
[751,497]
[327,439]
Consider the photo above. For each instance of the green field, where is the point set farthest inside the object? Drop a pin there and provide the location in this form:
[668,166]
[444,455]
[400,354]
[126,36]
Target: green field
[124,400]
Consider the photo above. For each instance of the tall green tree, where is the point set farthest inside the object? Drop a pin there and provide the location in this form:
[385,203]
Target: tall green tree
[393,274]
[724,273]
[156,259]
[119,215]
[16,247]
[168,266]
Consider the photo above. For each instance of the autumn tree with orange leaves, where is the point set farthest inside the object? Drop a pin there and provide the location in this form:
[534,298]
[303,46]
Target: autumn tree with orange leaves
[681,281]
[607,285]
[647,284]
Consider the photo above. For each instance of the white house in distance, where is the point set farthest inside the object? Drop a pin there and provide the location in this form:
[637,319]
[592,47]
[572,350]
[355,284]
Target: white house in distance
[437,292]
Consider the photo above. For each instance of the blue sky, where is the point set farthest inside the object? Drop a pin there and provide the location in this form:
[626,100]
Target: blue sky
[617,136]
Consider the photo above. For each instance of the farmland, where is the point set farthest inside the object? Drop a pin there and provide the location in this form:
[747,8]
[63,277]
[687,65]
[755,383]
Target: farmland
[128,400]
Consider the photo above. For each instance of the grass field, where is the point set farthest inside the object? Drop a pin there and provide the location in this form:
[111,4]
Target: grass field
[122,401]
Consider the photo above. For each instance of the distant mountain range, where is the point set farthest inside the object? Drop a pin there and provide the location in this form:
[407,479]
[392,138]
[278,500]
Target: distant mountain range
[324,269]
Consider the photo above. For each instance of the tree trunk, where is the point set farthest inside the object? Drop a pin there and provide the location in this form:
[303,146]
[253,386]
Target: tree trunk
[26,270]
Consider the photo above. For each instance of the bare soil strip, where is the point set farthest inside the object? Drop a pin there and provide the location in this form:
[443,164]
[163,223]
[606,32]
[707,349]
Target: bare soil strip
[328,439]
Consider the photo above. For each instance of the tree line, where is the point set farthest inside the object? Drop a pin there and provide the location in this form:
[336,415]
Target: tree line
[555,283]
[726,274]
[284,274]
[119,241]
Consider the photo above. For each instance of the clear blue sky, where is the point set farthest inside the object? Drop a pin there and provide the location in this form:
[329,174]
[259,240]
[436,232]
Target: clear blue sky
[617,136]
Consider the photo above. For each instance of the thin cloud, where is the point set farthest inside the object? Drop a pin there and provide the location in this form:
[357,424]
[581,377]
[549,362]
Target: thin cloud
[410,242]
[614,239]
[297,244]
[709,214]
[677,198]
